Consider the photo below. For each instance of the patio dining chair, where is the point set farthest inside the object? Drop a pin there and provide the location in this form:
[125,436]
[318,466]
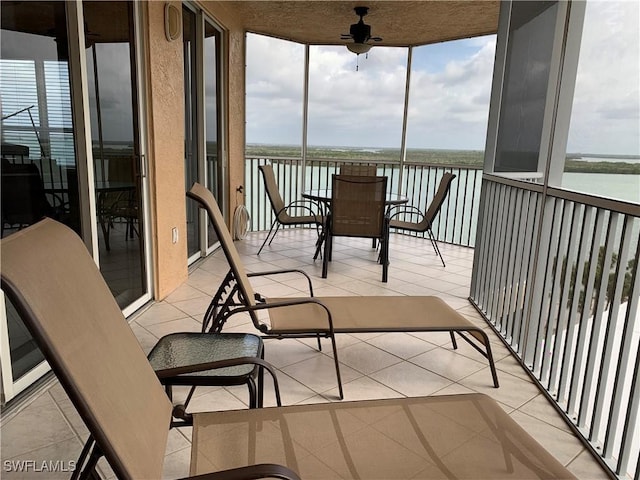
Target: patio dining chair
[286,214]
[323,317]
[424,220]
[80,329]
[357,210]
[358,169]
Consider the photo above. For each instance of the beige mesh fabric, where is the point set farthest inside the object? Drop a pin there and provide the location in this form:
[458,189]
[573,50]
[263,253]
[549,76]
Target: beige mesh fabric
[432,210]
[61,296]
[358,206]
[355,169]
[272,190]
[278,206]
[449,436]
[208,201]
[371,314]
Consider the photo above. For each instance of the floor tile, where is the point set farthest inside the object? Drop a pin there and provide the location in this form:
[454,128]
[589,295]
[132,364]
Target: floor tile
[373,365]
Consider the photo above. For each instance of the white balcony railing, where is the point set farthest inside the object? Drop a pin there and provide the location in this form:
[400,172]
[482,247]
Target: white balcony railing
[556,275]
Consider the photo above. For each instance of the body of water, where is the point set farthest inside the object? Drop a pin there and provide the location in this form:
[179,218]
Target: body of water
[610,185]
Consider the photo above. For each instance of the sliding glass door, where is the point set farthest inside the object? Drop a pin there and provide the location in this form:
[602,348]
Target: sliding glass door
[47,168]
[116,147]
[203,146]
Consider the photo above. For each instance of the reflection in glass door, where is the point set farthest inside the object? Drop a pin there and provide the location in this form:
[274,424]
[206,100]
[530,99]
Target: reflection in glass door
[203,145]
[191,97]
[39,168]
[213,144]
[111,78]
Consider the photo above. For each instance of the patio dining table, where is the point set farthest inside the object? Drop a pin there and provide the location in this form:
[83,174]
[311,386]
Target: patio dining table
[323,195]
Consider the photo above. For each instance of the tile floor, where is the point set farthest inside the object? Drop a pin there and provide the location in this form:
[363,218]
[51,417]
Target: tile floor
[47,426]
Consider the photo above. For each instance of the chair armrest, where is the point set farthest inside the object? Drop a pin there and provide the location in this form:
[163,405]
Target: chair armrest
[301,204]
[403,210]
[285,303]
[251,472]
[231,362]
[277,272]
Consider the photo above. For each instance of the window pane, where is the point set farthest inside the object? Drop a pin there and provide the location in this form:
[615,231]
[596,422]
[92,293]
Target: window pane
[361,107]
[603,150]
[449,101]
[274,89]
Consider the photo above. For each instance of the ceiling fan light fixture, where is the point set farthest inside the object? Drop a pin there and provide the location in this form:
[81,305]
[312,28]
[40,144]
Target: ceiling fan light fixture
[358,48]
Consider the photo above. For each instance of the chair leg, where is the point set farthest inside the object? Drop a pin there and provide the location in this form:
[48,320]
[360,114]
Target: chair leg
[435,245]
[253,393]
[267,237]
[319,242]
[261,382]
[453,341]
[335,360]
[327,255]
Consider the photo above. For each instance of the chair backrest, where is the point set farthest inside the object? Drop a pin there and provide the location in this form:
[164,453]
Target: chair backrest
[205,198]
[438,198]
[271,186]
[59,293]
[356,169]
[358,205]
[23,198]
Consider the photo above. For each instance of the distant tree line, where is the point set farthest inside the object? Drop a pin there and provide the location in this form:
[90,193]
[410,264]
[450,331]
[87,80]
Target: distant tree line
[471,158]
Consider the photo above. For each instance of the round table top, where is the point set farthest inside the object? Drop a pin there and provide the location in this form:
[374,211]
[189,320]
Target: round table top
[324,195]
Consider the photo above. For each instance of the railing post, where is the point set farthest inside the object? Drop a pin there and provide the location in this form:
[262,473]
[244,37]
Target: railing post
[302,178]
[403,145]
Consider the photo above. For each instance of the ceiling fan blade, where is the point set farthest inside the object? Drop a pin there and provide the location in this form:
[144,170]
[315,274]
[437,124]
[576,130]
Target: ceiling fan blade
[345,36]
[376,39]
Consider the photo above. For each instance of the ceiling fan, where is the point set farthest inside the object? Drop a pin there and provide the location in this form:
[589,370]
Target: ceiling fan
[360,33]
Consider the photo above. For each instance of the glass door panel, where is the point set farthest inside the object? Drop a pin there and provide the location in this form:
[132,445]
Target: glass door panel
[111,78]
[189,37]
[39,169]
[212,128]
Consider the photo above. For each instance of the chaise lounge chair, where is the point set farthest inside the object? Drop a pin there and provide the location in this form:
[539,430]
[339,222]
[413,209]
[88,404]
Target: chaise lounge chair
[325,316]
[60,295]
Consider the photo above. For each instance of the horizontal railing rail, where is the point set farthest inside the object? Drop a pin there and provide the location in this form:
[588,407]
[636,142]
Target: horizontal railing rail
[455,224]
[556,275]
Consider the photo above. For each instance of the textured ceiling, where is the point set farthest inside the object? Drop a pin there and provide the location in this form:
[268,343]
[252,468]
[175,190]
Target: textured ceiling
[399,23]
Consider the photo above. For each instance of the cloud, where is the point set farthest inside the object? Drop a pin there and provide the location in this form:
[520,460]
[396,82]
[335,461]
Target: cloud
[605,117]
[449,97]
[364,107]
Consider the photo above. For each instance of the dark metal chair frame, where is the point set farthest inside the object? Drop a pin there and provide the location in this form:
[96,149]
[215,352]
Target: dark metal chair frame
[358,209]
[323,317]
[68,308]
[425,220]
[57,290]
[281,211]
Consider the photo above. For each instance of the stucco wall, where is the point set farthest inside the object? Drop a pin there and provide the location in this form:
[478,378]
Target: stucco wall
[165,104]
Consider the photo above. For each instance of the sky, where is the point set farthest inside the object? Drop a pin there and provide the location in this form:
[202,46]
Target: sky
[450,91]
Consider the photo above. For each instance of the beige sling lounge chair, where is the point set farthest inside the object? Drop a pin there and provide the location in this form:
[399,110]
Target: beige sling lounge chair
[63,300]
[325,316]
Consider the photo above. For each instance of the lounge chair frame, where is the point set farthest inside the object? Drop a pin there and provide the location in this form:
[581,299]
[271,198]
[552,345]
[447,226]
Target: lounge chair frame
[63,300]
[308,317]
